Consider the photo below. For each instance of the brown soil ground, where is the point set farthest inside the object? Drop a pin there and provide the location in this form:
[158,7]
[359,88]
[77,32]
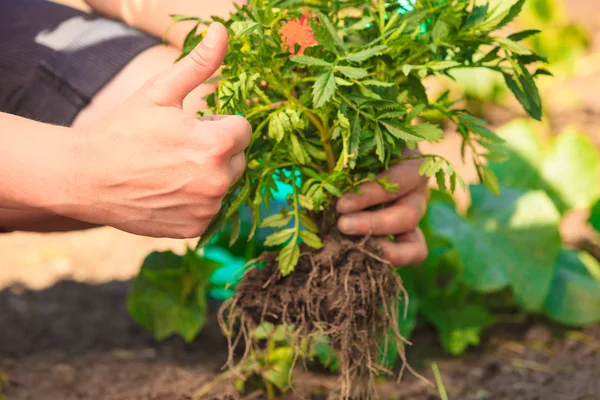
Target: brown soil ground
[65,332]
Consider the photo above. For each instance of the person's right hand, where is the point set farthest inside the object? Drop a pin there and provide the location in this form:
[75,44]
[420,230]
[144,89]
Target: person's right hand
[154,170]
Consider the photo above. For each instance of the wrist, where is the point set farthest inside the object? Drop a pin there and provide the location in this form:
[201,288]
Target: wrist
[39,164]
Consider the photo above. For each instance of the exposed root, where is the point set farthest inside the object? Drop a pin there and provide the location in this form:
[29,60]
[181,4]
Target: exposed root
[344,291]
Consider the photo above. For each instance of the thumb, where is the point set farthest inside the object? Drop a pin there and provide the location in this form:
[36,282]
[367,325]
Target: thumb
[171,87]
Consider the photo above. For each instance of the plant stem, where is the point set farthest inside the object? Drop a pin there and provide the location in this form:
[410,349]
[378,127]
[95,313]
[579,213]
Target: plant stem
[316,121]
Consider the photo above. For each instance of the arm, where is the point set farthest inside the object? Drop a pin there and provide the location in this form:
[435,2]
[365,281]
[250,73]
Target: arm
[147,168]
[152,16]
[34,169]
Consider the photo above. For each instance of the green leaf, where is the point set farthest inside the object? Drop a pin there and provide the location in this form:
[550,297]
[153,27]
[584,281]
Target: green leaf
[324,89]
[279,237]
[352,73]
[308,223]
[311,239]
[307,60]
[288,258]
[373,82]
[490,180]
[278,220]
[459,328]
[244,28]
[354,141]
[514,47]
[507,240]
[279,363]
[574,297]
[514,11]
[379,145]
[400,132]
[324,353]
[442,65]
[429,132]
[366,54]
[567,169]
[594,219]
[477,15]
[572,168]
[276,128]
[168,296]
[332,33]
[517,37]
[417,89]
[297,151]
[526,92]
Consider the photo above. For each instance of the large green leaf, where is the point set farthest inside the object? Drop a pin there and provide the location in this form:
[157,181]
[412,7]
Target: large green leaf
[574,297]
[507,240]
[573,169]
[567,169]
[169,295]
[459,328]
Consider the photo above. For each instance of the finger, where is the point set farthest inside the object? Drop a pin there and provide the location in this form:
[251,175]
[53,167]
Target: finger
[405,175]
[232,129]
[213,118]
[238,166]
[171,87]
[408,249]
[402,216]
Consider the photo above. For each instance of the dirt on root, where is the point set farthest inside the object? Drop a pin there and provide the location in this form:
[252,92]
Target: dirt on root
[344,291]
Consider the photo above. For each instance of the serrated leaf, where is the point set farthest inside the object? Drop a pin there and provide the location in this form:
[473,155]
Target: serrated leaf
[279,237]
[311,239]
[278,220]
[354,141]
[298,151]
[288,258]
[442,65]
[513,47]
[429,132]
[514,11]
[373,82]
[343,82]
[400,132]
[490,180]
[366,54]
[379,144]
[333,33]
[352,73]
[526,93]
[244,28]
[517,37]
[417,89]
[324,89]
[276,128]
[307,60]
[308,223]
[235,227]
[333,190]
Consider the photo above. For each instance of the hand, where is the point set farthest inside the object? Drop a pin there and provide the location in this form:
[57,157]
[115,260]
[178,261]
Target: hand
[151,168]
[400,217]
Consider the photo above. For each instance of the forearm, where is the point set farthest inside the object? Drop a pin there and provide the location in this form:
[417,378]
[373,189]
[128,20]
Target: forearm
[35,159]
[38,221]
[153,16]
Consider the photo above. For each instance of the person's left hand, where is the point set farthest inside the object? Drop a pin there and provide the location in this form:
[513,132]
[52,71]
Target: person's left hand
[400,217]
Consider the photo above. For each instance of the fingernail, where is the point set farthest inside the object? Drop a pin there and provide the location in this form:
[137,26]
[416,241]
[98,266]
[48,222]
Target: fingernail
[212,36]
[348,225]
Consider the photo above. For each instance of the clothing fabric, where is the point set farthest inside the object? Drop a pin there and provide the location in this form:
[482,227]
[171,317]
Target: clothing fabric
[54,59]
